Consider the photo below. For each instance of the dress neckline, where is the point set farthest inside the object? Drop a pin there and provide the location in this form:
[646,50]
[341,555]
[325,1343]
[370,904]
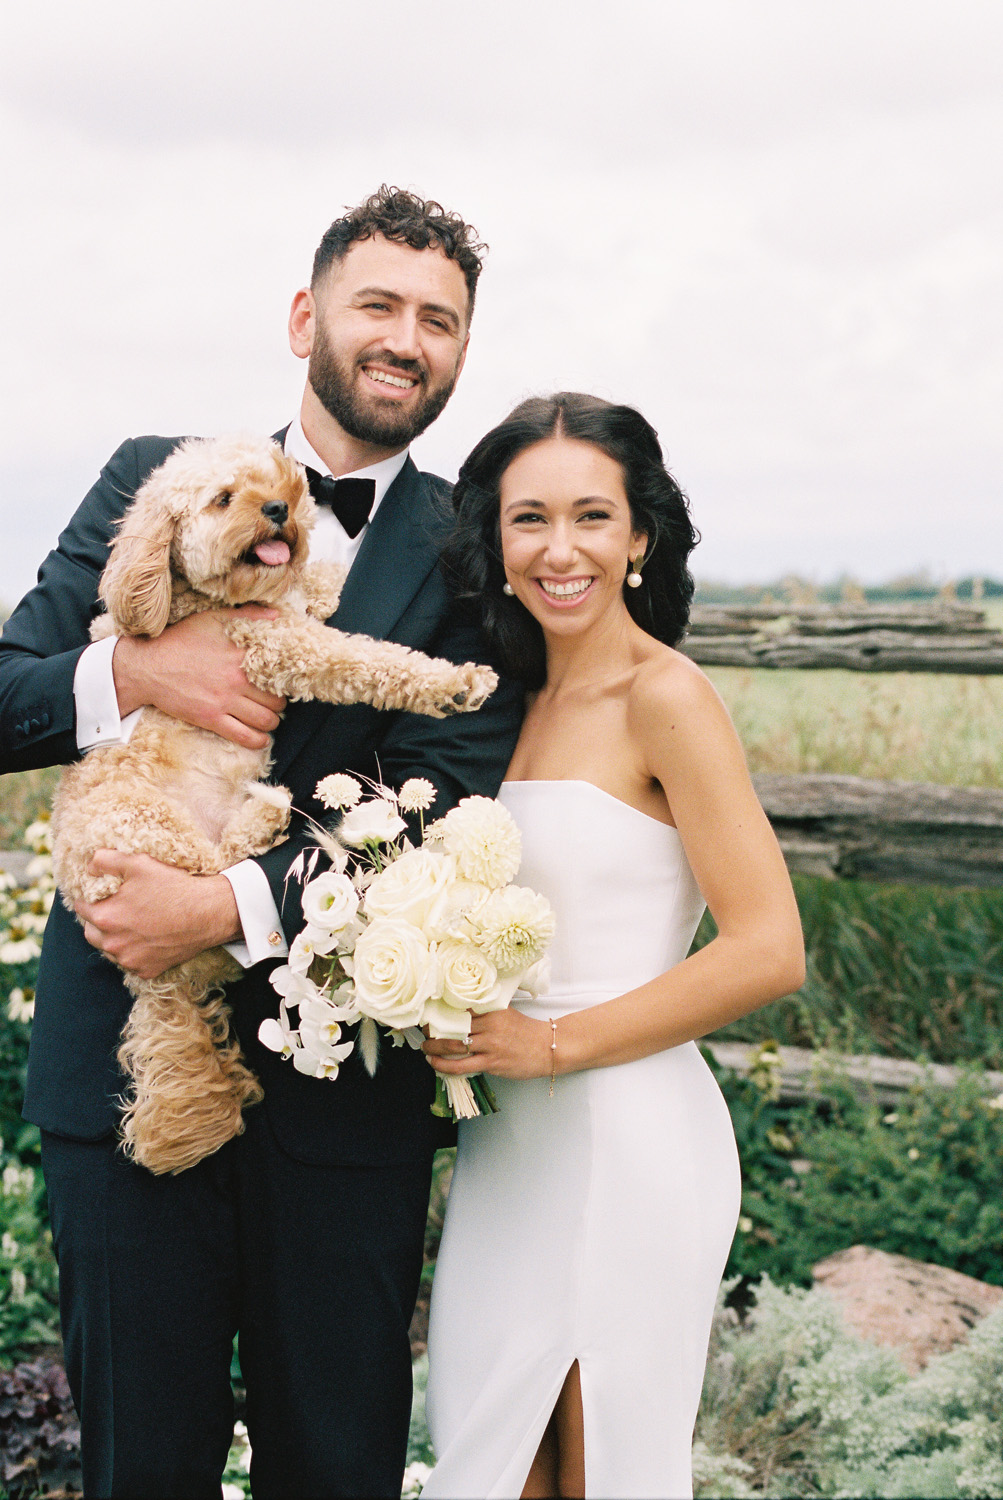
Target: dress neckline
[619,802]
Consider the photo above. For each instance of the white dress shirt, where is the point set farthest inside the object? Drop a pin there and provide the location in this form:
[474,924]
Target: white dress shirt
[99,721]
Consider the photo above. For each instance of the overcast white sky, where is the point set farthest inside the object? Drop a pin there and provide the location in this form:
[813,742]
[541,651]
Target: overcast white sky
[775,226]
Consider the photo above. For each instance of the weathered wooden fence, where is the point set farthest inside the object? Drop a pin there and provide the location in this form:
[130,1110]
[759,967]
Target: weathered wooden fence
[936,637]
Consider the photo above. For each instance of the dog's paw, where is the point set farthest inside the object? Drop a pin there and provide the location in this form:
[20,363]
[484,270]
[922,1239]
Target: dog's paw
[479,684]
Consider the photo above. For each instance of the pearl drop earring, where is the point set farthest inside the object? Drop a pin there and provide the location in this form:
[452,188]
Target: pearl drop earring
[634,579]
[508,589]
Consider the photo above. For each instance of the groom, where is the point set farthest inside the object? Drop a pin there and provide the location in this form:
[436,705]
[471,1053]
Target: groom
[304,1235]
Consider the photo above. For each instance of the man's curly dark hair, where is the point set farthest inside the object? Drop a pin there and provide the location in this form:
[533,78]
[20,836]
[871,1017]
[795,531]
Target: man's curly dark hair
[400,215]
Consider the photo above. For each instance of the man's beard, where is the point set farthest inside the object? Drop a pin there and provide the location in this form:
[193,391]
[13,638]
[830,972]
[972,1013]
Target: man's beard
[384,424]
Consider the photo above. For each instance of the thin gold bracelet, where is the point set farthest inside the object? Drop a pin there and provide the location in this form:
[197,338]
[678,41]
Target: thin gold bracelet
[553,1053]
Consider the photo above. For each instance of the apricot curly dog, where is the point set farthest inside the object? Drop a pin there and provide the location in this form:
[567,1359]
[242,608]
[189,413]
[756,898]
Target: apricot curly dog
[221,522]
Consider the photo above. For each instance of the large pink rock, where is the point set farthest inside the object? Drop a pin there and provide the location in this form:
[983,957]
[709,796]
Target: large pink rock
[917,1309]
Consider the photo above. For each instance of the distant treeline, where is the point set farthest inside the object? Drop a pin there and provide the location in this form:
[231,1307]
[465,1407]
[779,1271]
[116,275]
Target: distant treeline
[794,589]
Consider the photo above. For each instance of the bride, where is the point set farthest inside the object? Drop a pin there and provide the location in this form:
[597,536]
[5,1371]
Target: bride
[590,1220]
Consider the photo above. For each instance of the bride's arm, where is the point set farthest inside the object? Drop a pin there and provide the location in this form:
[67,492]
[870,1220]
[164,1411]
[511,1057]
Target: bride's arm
[690,747]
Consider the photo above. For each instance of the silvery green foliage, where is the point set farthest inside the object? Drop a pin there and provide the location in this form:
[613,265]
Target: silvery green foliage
[811,1409]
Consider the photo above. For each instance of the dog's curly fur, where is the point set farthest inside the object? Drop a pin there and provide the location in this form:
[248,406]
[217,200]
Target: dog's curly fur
[189,542]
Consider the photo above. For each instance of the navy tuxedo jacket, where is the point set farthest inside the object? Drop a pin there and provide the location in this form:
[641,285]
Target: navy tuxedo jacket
[394,591]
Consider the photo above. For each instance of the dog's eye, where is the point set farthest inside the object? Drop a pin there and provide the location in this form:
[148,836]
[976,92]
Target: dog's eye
[223,499]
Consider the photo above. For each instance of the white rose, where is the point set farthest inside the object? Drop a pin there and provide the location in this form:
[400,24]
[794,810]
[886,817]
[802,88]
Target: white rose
[485,840]
[470,980]
[394,972]
[374,822]
[410,886]
[330,902]
[514,926]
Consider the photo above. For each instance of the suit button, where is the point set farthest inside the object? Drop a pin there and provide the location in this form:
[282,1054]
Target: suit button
[20,731]
[44,721]
[33,725]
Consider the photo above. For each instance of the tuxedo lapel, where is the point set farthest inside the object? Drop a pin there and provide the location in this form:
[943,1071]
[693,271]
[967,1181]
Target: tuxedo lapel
[399,551]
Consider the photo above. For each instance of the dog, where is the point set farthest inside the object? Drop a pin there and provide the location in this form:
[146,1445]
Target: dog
[221,522]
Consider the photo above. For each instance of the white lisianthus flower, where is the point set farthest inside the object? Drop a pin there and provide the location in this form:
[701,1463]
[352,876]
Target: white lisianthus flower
[394,972]
[338,791]
[514,926]
[485,840]
[330,902]
[470,980]
[374,822]
[445,1022]
[410,886]
[416,795]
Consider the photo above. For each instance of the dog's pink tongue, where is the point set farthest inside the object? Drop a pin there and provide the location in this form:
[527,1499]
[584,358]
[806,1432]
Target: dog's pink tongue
[273,553]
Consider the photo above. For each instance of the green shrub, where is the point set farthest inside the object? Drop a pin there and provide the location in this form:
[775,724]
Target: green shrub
[923,1180]
[909,971]
[794,1404]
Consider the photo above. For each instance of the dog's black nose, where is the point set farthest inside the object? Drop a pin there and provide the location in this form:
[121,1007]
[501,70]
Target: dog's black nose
[276,511]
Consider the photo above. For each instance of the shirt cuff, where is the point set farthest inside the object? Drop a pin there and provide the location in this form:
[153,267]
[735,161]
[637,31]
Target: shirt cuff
[259,916]
[94,696]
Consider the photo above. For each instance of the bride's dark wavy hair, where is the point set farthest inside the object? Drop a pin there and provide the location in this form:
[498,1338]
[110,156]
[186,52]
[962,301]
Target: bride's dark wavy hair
[472,557]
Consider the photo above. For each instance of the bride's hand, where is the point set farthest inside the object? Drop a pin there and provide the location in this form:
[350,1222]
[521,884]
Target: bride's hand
[504,1042]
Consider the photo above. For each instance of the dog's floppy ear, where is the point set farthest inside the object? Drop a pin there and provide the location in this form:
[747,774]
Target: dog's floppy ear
[136,583]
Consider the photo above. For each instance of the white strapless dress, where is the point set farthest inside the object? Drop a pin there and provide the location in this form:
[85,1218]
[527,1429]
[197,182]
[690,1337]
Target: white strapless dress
[594,1225]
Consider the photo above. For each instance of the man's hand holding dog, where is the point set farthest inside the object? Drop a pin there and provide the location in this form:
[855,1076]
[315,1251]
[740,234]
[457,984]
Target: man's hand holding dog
[159,916]
[193,672]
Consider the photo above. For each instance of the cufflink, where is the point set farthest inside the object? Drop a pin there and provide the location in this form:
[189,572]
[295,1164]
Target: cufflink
[274,939]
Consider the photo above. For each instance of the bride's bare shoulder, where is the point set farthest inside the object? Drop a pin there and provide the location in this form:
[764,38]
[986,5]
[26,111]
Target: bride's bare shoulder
[672,702]
[667,681]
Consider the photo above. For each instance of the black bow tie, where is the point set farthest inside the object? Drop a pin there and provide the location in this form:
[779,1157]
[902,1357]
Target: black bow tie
[350,499]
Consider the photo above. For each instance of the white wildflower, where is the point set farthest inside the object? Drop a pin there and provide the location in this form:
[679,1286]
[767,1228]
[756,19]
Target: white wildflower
[20,949]
[434,833]
[485,840]
[9,1247]
[416,795]
[514,926]
[374,822]
[339,791]
[18,1285]
[21,1005]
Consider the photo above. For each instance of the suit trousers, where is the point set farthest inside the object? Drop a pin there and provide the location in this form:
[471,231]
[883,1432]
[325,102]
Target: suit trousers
[316,1268]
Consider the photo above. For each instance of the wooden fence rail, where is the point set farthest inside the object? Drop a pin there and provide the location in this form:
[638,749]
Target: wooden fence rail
[850,827]
[904,831]
[803,1074]
[872,638]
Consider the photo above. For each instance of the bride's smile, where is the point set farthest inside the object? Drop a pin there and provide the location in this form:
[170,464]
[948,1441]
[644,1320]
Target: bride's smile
[566,533]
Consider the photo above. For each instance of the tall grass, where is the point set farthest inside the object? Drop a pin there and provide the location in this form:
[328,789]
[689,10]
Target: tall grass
[896,726]
[911,971]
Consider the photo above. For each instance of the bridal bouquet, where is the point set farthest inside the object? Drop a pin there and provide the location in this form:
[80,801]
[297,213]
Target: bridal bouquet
[404,937]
